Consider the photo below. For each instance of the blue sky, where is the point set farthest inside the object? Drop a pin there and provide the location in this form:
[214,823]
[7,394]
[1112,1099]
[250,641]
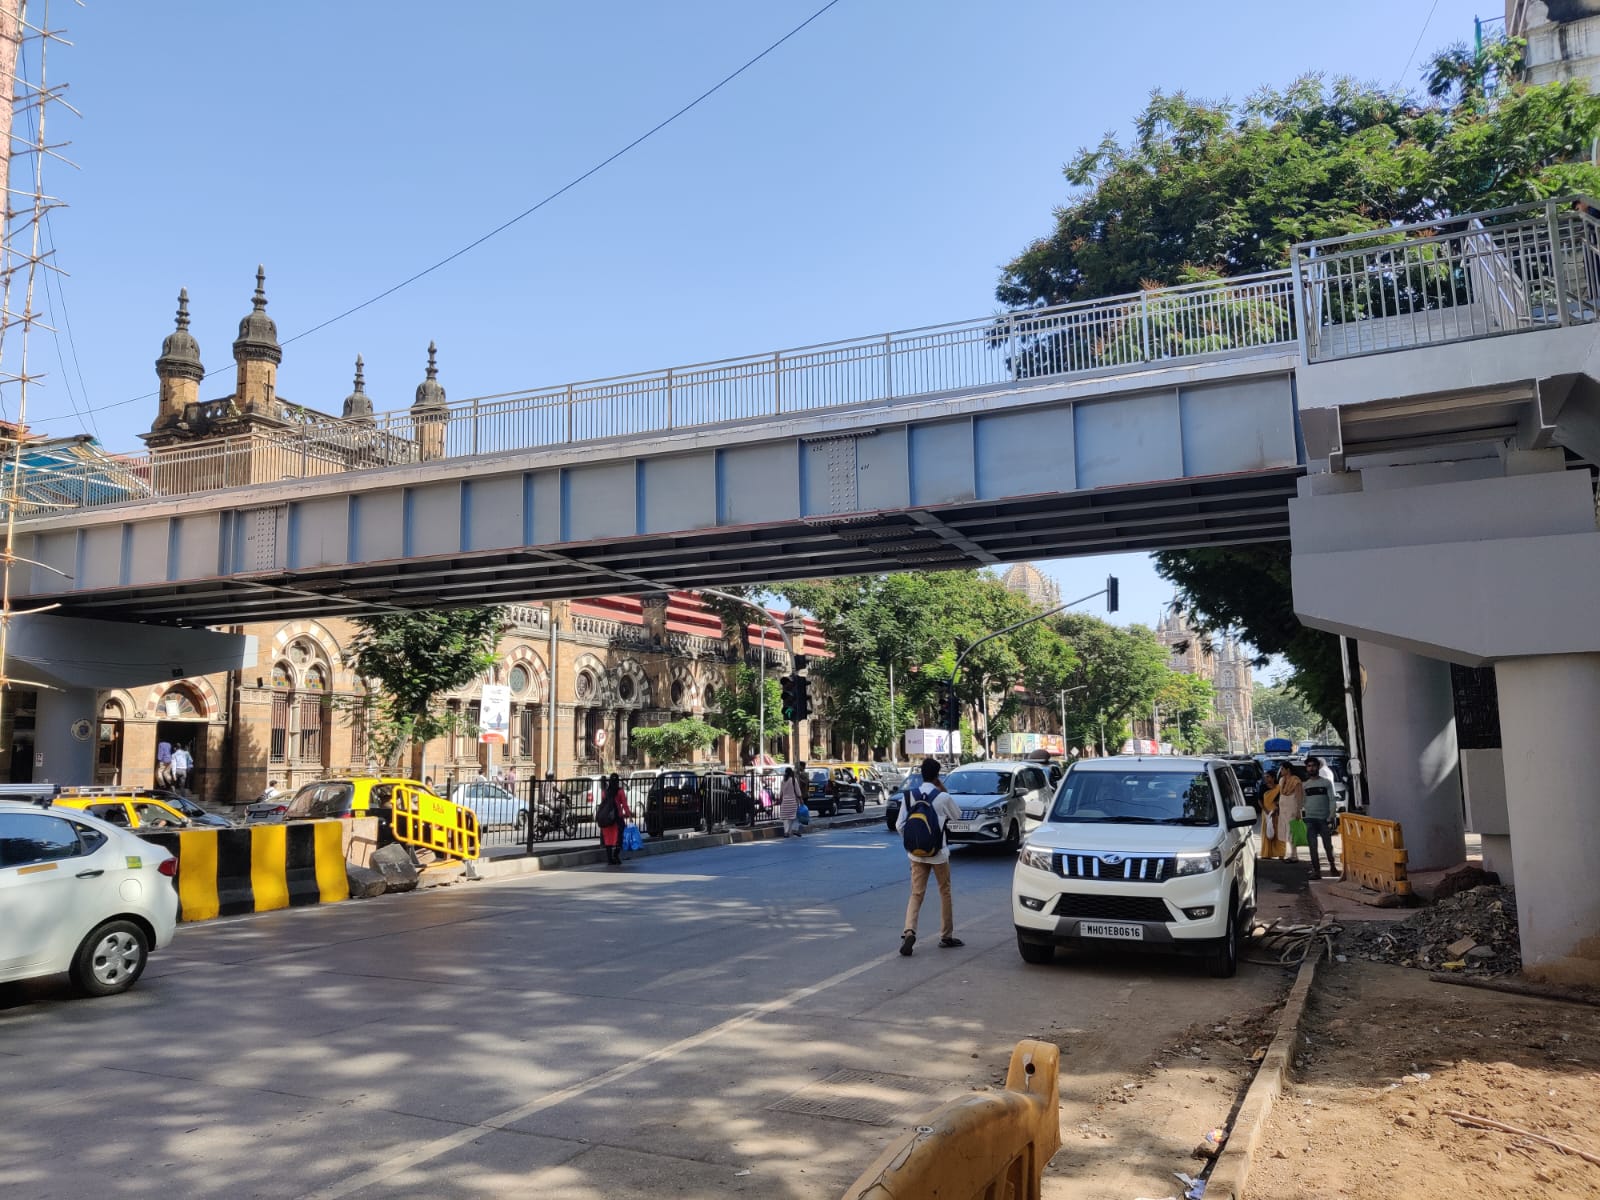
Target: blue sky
[871,174]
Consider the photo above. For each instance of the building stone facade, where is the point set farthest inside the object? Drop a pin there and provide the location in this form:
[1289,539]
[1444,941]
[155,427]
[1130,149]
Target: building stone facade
[301,712]
[1225,666]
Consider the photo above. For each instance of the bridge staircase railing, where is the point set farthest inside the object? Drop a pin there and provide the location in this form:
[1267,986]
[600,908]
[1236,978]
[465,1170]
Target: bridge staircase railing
[1108,335]
[1509,270]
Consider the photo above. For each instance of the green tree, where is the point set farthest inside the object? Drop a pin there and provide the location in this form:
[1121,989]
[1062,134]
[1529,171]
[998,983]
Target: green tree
[1206,190]
[1287,713]
[414,657]
[1186,704]
[1120,672]
[739,707]
[677,740]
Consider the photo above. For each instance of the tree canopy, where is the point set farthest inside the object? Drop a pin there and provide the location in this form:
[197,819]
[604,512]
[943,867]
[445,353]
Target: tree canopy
[416,656]
[676,741]
[1207,189]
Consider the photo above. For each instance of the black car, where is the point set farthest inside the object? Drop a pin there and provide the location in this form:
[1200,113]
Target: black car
[1252,779]
[676,801]
[833,789]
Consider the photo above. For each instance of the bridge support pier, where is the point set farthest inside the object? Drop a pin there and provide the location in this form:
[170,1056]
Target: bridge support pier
[1549,713]
[66,735]
[1412,764]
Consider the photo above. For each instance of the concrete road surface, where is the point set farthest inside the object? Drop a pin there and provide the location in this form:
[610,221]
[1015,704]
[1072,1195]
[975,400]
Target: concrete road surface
[733,1021]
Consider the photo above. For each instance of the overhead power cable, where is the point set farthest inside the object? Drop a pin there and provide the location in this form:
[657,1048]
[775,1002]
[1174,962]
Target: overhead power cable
[525,213]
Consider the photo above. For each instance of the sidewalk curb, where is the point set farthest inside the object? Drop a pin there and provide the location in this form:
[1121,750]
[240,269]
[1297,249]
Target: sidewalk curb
[1228,1178]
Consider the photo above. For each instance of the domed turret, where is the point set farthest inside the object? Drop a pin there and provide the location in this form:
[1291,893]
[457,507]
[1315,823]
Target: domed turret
[358,405]
[179,369]
[256,354]
[429,414]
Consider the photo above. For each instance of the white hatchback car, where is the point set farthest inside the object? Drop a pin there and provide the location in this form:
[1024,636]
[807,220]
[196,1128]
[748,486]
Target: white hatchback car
[1142,851]
[80,896]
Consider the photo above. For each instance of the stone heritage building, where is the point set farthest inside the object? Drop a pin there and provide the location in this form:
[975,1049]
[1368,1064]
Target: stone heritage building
[1226,667]
[583,674]
[1032,584]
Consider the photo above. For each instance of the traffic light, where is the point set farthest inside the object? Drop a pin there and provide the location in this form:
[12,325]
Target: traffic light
[1111,593]
[952,709]
[791,697]
[802,696]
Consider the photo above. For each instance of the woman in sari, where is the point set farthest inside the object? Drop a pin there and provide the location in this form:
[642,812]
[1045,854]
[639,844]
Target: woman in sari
[1273,832]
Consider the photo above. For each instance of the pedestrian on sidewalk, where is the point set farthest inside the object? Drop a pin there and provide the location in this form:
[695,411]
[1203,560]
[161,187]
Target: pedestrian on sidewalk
[612,815]
[1291,808]
[926,810]
[791,795]
[1319,815]
[1272,830]
[180,763]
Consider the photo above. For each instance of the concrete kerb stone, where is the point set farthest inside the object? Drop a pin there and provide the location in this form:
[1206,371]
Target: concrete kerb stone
[1228,1177]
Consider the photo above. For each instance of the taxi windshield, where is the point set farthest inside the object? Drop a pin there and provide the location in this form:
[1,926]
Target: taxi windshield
[1136,798]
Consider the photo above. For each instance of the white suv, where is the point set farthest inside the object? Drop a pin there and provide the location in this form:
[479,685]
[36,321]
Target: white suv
[1140,850]
[80,896]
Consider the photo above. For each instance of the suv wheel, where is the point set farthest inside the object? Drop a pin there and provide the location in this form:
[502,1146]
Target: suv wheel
[1013,840]
[1223,961]
[1037,953]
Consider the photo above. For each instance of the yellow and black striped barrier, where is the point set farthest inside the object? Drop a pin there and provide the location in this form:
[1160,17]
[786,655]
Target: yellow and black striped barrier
[419,818]
[256,868]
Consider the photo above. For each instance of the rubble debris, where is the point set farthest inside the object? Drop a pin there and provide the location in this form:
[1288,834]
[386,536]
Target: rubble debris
[1473,932]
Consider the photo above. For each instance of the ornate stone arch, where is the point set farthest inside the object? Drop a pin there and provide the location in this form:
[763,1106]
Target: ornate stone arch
[591,682]
[683,692]
[710,688]
[538,687]
[198,687]
[130,706]
[630,684]
[315,634]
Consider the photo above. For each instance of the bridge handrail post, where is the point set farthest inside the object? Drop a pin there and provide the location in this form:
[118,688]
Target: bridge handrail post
[1144,325]
[1300,304]
[888,366]
[669,397]
[777,383]
[569,412]
[474,424]
[305,451]
[1558,263]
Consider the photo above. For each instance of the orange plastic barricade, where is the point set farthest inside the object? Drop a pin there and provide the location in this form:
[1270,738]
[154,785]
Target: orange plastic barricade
[1374,853]
[986,1146]
[419,818]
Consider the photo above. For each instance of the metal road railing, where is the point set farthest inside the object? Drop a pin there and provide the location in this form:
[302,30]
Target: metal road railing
[1115,333]
[1509,270]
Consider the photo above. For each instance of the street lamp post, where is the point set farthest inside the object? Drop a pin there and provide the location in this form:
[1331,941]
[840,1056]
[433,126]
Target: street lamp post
[1065,692]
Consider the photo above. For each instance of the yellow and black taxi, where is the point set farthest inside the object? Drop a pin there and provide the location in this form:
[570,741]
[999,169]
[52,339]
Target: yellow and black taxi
[198,816]
[348,797]
[128,812]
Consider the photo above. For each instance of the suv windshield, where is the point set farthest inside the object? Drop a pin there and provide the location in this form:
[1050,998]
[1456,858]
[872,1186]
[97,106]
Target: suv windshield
[977,783]
[1136,798]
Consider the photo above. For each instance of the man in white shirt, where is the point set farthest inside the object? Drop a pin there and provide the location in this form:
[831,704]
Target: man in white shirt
[181,764]
[936,864]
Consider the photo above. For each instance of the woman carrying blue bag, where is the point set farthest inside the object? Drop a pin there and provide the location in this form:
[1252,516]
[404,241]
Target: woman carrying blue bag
[613,817]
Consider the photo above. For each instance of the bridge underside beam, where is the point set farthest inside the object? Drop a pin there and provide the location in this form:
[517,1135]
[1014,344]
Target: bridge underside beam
[1216,511]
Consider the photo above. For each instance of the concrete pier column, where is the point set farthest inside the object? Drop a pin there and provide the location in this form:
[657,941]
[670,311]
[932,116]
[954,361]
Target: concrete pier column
[1412,766]
[1549,713]
[65,736]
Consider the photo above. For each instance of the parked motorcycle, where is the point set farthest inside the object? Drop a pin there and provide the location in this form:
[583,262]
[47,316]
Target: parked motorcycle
[554,817]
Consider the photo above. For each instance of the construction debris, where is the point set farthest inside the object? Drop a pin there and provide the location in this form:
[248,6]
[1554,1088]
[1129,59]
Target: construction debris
[1472,932]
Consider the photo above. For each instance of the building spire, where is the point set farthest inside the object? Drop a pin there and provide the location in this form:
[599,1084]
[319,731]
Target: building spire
[259,301]
[358,405]
[183,308]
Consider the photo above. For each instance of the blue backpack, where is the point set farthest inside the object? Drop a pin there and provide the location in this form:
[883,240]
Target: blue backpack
[921,831]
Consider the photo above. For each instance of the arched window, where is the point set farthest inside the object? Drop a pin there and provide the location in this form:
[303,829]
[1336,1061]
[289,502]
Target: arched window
[625,689]
[709,696]
[282,677]
[180,701]
[677,693]
[282,702]
[521,677]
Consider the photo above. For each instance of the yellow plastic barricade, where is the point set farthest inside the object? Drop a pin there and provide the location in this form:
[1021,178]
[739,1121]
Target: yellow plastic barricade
[419,818]
[1374,853]
[986,1146]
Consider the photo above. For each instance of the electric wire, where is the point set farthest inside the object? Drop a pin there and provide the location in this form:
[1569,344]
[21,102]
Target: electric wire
[525,213]
[1417,45]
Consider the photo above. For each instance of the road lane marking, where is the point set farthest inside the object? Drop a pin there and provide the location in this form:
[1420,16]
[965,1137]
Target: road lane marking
[500,1121]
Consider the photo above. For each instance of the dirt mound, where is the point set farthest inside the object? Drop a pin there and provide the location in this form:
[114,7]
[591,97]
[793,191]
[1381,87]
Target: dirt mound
[1474,931]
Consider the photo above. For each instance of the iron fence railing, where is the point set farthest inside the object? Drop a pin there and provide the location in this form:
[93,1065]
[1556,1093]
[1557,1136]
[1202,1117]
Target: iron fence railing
[550,811]
[1509,270]
[1118,332]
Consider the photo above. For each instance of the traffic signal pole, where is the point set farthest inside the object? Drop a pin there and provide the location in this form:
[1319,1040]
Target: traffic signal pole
[797,666]
[1110,592]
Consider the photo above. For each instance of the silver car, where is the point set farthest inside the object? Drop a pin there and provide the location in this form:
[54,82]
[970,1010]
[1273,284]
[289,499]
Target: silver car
[995,799]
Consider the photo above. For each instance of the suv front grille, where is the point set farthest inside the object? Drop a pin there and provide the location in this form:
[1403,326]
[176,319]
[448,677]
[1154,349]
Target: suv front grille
[1112,908]
[1140,868]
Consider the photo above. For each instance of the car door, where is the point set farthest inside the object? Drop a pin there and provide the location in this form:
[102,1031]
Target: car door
[51,889]
[1032,784]
[1238,842]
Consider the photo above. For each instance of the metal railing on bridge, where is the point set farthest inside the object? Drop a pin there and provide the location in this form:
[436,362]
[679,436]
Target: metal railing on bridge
[1509,270]
[1115,333]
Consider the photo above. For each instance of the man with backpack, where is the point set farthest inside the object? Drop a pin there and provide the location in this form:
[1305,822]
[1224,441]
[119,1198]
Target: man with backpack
[926,811]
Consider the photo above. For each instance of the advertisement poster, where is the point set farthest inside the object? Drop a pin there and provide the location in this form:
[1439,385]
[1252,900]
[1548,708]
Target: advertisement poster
[494,720]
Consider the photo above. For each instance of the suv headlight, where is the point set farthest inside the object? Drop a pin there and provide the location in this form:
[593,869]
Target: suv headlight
[1040,858]
[1199,864]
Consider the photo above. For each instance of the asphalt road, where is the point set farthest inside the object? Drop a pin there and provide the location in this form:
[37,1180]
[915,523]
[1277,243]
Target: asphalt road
[578,1035]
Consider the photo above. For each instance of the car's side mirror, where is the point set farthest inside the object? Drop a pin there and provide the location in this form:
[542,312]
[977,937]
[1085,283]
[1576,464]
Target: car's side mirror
[1240,816]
